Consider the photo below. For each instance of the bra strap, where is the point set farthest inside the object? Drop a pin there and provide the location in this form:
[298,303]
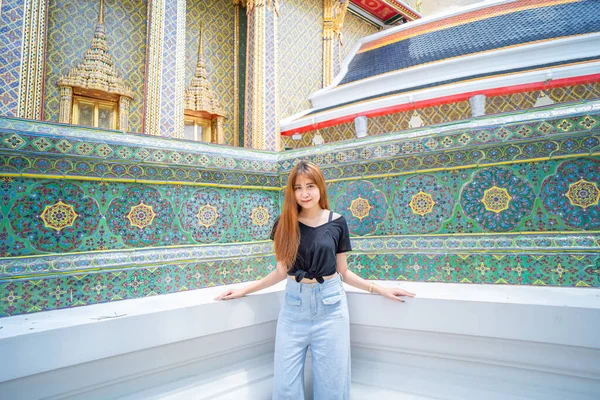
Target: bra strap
[330,215]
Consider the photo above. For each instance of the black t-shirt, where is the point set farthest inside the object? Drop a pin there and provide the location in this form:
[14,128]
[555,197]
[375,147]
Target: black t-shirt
[318,247]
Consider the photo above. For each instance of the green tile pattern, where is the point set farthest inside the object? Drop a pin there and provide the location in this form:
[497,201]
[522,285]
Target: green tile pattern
[500,200]
[104,220]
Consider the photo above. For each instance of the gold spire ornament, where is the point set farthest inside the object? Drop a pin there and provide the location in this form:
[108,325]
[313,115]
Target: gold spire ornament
[201,100]
[97,77]
[200,96]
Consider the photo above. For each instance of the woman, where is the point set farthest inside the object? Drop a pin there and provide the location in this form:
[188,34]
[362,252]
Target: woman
[310,248]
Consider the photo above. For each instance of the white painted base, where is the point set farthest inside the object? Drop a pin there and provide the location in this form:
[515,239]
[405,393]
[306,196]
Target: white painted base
[451,342]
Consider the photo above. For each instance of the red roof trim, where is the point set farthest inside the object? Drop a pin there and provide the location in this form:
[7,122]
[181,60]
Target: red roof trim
[527,87]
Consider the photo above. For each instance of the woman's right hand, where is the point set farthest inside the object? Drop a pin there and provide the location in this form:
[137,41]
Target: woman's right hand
[231,294]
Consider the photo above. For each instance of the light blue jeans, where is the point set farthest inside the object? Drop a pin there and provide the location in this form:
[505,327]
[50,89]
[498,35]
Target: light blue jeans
[314,315]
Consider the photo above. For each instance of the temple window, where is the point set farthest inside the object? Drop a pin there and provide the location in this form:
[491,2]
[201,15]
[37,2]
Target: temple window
[198,128]
[95,112]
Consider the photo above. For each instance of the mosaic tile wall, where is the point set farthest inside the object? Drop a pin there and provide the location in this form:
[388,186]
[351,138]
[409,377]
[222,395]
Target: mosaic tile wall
[70,31]
[512,199]
[57,215]
[300,35]
[11,36]
[299,38]
[217,19]
[447,113]
[523,101]
[170,113]
[57,291]
[60,216]
[89,216]
[355,28]
[502,203]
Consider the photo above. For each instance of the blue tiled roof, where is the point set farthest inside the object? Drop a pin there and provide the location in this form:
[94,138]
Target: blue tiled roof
[523,26]
[455,80]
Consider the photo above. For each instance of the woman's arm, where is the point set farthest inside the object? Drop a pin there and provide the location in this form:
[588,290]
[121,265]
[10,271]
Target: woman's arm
[354,280]
[276,276]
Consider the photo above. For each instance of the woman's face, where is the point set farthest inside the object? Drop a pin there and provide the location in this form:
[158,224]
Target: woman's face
[307,193]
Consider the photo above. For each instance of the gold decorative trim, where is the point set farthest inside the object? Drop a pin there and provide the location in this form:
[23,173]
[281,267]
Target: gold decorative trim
[360,208]
[261,105]
[236,74]
[141,215]
[481,165]
[124,106]
[277,136]
[154,67]
[252,4]
[334,12]
[422,203]
[258,136]
[179,70]
[207,215]
[403,9]
[32,60]
[141,181]
[260,216]
[66,104]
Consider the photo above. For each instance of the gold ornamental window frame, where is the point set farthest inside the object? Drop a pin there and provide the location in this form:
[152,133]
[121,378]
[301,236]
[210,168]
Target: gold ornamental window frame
[203,122]
[98,104]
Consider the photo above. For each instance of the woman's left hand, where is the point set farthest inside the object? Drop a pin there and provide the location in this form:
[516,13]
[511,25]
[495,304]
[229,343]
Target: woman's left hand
[394,293]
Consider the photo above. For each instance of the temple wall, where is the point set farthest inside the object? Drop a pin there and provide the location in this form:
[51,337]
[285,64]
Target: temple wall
[217,19]
[429,207]
[103,208]
[126,216]
[298,81]
[300,38]
[300,26]
[89,216]
[458,212]
[70,30]
[355,28]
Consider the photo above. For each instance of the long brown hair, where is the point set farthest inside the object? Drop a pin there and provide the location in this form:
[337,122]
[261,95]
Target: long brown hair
[287,234]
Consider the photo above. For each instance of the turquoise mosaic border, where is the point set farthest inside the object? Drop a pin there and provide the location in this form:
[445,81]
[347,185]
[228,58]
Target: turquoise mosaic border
[539,229]
[484,134]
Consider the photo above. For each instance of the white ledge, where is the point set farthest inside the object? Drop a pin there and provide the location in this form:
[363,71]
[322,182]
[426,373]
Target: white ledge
[61,338]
